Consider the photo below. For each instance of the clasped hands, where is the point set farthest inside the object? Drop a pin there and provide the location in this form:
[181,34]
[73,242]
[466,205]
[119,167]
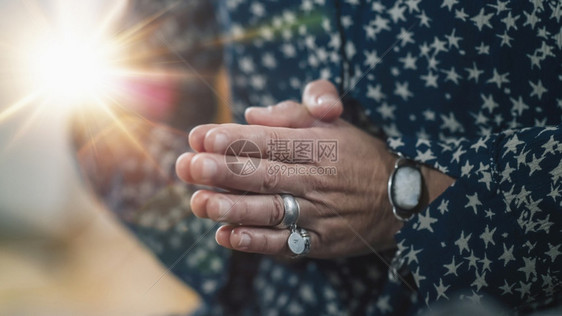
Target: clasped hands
[347,213]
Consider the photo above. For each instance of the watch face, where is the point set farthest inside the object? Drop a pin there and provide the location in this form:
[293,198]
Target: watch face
[406,187]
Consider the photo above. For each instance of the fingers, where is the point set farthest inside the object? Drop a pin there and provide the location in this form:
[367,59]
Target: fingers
[321,103]
[259,240]
[266,176]
[217,139]
[322,100]
[197,135]
[249,210]
[285,114]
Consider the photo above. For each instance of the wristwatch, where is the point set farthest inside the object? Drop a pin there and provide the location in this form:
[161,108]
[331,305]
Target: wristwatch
[405,188]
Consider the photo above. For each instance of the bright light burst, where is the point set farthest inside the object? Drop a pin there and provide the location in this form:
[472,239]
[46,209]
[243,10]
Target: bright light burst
[71,57]
[75,56]
[71,70]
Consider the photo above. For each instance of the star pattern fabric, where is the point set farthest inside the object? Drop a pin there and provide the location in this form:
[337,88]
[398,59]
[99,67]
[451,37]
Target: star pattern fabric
[471,88]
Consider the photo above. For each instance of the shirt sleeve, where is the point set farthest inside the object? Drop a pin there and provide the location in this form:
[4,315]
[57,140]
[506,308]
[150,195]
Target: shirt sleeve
[498,229]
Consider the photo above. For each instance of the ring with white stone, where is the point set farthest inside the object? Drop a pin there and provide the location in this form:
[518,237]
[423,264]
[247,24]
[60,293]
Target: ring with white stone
[291,211]
[299,241]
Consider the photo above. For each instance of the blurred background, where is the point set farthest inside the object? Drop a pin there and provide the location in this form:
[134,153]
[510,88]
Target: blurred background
[65,243]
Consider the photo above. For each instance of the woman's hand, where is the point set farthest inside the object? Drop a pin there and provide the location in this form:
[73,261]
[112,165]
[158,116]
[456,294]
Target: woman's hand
[346,212]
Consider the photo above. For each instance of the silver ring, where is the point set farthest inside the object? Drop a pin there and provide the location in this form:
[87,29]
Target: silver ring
[291,210]
[299,242]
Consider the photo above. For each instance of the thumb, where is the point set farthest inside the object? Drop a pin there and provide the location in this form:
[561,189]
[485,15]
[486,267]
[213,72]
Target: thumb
[321,98]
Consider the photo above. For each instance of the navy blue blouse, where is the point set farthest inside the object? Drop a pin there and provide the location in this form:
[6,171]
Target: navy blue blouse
[472,88]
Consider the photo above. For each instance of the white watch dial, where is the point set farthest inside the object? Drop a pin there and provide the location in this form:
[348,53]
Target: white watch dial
[407,187]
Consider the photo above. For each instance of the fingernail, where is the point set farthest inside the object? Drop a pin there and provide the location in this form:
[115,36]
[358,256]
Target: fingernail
[220,143]
[327,99]
[209,169]
[244,240]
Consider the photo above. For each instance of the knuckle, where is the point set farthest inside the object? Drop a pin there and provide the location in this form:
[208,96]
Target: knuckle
[270,182]
[243,213]
[277,212]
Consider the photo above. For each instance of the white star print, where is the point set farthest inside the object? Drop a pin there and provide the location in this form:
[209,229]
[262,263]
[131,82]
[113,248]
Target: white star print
[451,75]
[500,6]
[538,89]
[507,255]
[465,170]
[395,143]
[397,13]
[429,114]
[424,19]
[474,73]
[409,61]
[482,19]
[483,49]
[375,93]
[506,39]
[438,45]
[486,263]
[425,222]
[473,202]
[457,155]
[402,90]
[449,4]
[461,15]
[489,102]
[534,164]
[556,173]
[481,143]
[524,289]
[462,242]
[532,19]
[506,288]
[405,37]
[383,305]
[510,21]
[412,255]
[498,79]
[430,80]
[425,156]
[553,252]
[529,267]
[479,281]
[554,192]
[512,144]
[472,260]
[441,289]
[488,236]
[549,146]
[453,40]
[417,276]
[443,207]
[412,5]
[451,123]
[452,267]
[518,105]
[386,111]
